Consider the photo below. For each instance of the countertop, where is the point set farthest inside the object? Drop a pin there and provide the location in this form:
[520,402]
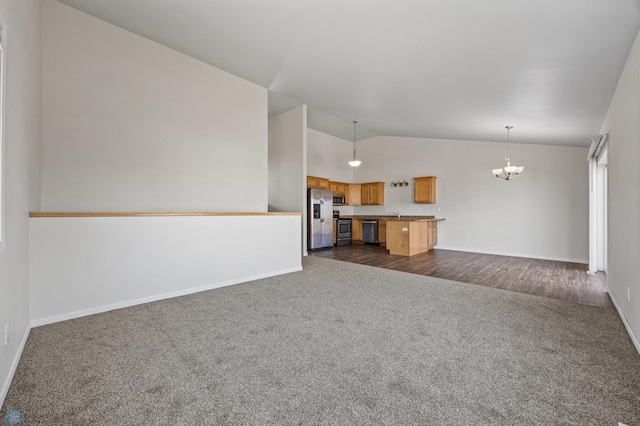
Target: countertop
[395,218]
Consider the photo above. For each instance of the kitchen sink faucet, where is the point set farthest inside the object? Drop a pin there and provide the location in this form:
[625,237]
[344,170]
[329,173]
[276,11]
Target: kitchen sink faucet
[397,214]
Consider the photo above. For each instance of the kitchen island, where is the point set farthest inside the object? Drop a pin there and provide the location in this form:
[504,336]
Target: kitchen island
[408,237]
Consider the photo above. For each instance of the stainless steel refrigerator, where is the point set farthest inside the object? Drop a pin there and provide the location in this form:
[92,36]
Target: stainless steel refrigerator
[320,214]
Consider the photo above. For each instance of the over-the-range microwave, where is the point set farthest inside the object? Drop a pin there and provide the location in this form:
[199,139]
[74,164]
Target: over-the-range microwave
[338,200]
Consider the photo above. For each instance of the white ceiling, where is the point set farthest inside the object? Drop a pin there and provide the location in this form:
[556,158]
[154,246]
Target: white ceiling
[451,69]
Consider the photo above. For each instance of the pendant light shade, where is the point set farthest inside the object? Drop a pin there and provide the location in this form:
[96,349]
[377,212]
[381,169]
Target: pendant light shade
[508,172]
[354,162]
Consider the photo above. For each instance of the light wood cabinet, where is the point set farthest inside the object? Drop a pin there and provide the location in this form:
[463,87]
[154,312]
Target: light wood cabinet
[339,188]
[356,230]
[408,238]
[372,194]
[355,195]
[317,182]
[382,232]
[424,190]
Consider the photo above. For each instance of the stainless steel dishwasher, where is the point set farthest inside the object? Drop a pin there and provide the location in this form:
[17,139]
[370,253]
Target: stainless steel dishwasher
[370,231]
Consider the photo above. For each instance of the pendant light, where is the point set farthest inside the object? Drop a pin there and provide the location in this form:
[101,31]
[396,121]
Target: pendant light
[354,162]
[508,172]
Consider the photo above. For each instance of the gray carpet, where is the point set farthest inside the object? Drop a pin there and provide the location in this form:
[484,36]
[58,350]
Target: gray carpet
[335,344]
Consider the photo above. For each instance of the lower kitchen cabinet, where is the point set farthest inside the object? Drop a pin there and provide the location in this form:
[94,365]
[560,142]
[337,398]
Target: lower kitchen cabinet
[407,238]
[382,232]
[356,230]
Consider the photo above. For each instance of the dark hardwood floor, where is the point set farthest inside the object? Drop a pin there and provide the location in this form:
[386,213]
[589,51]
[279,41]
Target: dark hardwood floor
[560,280]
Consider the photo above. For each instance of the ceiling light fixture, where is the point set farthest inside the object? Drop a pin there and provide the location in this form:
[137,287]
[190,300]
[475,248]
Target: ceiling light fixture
[509,172]
[354,162]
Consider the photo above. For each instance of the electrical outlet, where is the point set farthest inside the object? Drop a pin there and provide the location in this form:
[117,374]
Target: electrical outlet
[6,334]
[243,260]
[467,238]
[628,294]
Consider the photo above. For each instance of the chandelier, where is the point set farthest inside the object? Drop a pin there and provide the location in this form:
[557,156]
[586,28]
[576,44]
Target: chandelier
[508,172]
[354,162]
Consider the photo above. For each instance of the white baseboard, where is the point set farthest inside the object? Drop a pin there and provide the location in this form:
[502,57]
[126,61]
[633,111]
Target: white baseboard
[105,308]
[14,366]
[526,256]
[634,339]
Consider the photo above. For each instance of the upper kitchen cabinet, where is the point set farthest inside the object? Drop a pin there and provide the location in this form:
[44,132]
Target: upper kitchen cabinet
[317,182]
[424,190]
[372,194]
[339,188]
[355,195]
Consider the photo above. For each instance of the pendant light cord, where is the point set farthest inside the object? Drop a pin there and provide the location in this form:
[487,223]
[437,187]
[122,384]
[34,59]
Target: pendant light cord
[354,139]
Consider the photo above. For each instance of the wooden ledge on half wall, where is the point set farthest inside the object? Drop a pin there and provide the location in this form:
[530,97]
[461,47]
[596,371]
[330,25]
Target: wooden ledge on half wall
[151,214]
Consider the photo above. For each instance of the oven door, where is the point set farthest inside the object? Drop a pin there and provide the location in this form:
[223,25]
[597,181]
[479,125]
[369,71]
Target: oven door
[343,229]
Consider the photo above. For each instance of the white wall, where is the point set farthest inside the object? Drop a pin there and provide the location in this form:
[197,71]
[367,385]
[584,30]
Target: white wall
[112,262]
[328,156]
[288,165]
[22,138]
[128,124]
[542,214]
[623,125]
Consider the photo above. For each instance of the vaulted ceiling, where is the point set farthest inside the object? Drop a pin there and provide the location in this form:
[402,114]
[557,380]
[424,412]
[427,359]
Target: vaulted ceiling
[450,69]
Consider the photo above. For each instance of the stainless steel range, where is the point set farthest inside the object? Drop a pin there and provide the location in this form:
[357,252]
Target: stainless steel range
[343,231]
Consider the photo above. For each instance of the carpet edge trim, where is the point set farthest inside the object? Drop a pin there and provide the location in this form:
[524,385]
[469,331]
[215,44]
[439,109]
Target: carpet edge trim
[133,302]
